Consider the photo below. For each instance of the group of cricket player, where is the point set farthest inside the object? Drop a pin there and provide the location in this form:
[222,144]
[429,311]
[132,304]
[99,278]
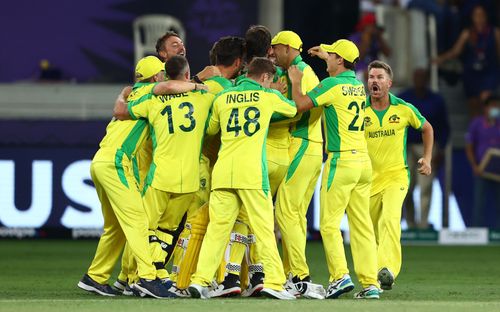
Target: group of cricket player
[204,174]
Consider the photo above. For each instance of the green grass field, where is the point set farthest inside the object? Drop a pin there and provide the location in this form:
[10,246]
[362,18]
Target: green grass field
[41,275]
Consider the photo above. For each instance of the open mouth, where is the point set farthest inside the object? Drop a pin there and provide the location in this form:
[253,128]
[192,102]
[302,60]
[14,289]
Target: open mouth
[375,88]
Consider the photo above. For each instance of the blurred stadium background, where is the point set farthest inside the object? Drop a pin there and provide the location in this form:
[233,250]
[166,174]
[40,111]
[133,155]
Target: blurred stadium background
[63,63]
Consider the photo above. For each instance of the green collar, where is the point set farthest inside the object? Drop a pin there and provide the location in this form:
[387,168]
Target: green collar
[247,80]
[296,60]
[393,100]
[242,76]
[140,84]
[347,74]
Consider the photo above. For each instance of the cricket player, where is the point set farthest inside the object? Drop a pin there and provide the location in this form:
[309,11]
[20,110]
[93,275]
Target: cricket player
[227,54]
[258,44]
[167,46]
[178,122]
[125,219]
[141,162]
[240,178]
[386,122]
[346,179]
[306,157]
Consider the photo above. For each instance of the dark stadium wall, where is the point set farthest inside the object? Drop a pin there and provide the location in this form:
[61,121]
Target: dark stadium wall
[320,21]
[92,41]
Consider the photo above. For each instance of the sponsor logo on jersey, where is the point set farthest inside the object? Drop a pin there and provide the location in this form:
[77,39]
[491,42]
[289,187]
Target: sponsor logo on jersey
[317,89]
[394,119]
[368,121]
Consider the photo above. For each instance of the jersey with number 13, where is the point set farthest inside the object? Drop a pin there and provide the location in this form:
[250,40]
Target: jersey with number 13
[243,113]
[343,97]
[178,125]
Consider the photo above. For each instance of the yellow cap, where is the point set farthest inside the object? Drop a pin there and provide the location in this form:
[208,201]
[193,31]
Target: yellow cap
[288,37]
[344,48]
[147,67]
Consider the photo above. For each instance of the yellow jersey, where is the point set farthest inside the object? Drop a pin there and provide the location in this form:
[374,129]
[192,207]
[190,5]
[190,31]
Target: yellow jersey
[308,125]
[242,114]
[124,138]
[343,98]
[278,135]
[211,144]
[178,125]
[385,133]
[217,83]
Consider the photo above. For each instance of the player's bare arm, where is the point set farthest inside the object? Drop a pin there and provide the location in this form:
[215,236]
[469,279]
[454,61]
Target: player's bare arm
[120,111]
[317,51]
[428,141]
[176,86]
[281,86]
[208,72]
[302,101]
[213,125]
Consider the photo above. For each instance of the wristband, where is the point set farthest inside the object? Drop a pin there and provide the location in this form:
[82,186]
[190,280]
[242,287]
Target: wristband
[197,79]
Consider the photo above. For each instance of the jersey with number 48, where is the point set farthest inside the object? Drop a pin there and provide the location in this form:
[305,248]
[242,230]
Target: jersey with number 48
[178,125]
[343,97]
[243,113]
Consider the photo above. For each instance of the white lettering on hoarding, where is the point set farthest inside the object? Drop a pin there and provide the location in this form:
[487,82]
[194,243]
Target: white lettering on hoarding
[74,187]
[41,195]
[36,215]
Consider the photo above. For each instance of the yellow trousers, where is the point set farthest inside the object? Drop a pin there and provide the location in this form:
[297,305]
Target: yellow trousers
[165,212]
[345,187]
[125,219]
[385,211]
[292,202]
[199,199]
[277,164]
[224,206]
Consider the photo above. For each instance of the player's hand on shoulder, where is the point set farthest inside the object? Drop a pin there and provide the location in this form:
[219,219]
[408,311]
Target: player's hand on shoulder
[281,86]
[424,167]
[208,72]
[125,92]
[201,86]
[317,51]
[294,74]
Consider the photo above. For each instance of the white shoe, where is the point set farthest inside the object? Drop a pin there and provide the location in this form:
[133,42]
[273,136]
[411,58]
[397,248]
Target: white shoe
[198,291]
[134,290]
[180,293]
[254,286]
[370,292]
[230,287]
[277,294]
[120,285]
[338,287]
